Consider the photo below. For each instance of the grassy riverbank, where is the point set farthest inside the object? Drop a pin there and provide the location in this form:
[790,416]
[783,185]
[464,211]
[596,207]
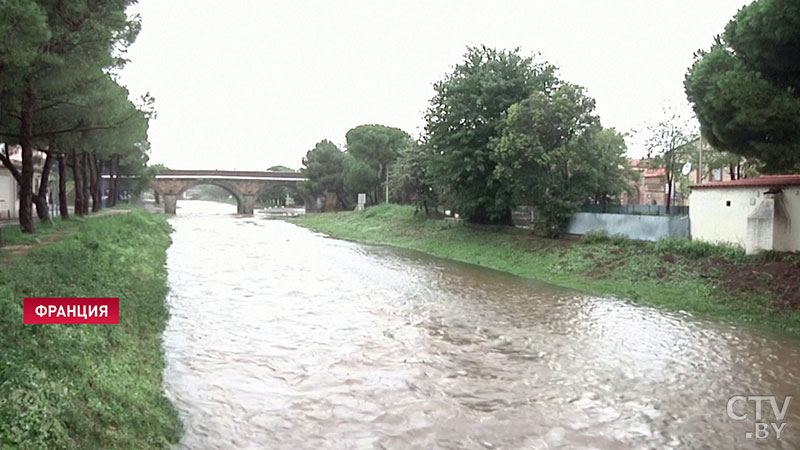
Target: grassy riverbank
[713,281]
[88,386]
[13,235]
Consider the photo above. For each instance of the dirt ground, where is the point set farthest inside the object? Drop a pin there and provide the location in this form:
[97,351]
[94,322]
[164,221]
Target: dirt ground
[15,251]
[781,279]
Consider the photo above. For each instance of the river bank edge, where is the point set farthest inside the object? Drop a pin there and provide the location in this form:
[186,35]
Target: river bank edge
[89,386]
[713,282]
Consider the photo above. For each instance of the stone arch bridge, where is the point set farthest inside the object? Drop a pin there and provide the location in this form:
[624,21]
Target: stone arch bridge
[243,185]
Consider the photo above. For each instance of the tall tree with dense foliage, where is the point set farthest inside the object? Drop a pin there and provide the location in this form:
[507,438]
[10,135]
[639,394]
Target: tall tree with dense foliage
[609,173]
[746,89]
[23,28]
[81,37]
[465,118]
[324,168]
[554,156]
[361,177]
[412,181]
[378,146]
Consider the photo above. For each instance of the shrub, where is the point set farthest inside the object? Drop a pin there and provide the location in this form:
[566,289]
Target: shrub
[595,237]
[698,249]
[621,240]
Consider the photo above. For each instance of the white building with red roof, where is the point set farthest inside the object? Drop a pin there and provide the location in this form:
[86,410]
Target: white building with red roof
[9,191]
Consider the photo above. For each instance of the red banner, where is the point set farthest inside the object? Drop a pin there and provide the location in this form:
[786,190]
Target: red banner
[71,310]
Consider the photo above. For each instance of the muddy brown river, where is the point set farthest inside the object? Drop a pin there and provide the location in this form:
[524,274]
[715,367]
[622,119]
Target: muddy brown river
[280,337]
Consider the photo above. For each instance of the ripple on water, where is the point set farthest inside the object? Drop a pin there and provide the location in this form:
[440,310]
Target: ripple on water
[282,338]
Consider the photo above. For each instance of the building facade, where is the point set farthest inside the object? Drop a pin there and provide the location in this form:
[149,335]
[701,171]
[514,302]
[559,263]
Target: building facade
[9,190]
[650,188]
[757,214]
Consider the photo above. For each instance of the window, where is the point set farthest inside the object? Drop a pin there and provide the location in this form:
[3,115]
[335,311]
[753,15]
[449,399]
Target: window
[728,203]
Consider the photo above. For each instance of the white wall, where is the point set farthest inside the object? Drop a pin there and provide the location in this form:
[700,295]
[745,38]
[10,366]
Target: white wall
[8,195]
[713,221]
[790,241]
[641,227]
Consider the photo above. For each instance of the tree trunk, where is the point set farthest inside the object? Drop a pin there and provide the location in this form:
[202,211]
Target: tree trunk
[26,141]
[381,182]
[112,190]
[90,170]
[669,193]
[86,194]
[341,197]
[42,208]
[94,184]
[2,69]
[99,173]
[77,178]
[62,187]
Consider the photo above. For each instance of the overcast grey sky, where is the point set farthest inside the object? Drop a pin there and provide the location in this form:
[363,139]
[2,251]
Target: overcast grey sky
[248,84]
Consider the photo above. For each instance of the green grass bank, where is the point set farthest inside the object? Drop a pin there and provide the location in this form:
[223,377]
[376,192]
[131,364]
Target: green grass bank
[707,280]
[88,386]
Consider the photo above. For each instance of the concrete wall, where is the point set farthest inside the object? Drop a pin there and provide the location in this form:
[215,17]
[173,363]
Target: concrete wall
[788,238]
[645,228]
[720,215]
[783,233]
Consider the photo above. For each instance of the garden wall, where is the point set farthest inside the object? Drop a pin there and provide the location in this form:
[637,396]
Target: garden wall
[641,227]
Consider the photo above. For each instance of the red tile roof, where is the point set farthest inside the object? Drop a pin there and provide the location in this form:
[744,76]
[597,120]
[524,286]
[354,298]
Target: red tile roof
[767,181]
[648,173]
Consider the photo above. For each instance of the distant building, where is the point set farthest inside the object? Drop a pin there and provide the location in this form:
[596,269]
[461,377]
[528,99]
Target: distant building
[9,191]
[756,213]
[651,186]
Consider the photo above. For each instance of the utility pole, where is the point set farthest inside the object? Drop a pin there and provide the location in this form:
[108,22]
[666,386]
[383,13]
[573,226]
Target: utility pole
[387,184]
[700,164]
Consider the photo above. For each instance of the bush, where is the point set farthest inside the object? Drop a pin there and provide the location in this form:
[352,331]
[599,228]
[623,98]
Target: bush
[621,240]
[698,249]
[595,237]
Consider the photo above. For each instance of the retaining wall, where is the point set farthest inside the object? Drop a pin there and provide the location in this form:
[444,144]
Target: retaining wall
[645,228]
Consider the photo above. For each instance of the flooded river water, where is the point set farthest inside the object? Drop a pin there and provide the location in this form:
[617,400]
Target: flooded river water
[283,338]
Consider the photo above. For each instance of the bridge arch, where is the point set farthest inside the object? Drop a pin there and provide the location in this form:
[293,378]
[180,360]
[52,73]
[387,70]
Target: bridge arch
[224,184]
[265,188]
[244,186]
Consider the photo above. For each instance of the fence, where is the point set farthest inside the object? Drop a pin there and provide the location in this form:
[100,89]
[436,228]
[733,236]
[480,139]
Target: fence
[642,210]
[641,227]
[645,227]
